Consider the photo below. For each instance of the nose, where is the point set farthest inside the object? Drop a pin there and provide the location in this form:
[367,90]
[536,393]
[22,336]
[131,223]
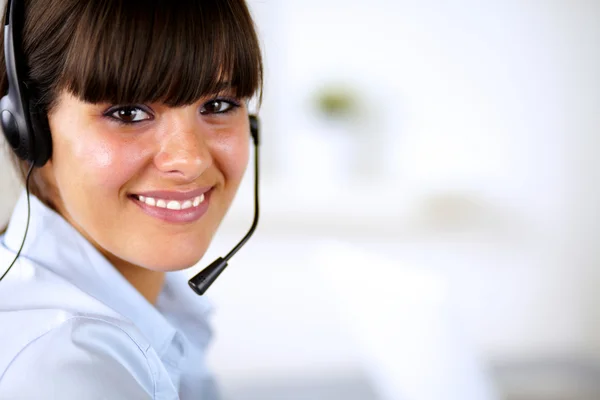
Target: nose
[184,153]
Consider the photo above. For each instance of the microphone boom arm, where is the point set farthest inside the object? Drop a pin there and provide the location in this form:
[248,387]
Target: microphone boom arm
[202,281]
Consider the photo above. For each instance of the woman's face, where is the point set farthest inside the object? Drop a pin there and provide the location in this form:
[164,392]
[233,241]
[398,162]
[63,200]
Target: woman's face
[147,184]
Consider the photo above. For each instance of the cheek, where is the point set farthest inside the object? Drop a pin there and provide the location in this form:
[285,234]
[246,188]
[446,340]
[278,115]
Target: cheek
[232,158]
[97,161]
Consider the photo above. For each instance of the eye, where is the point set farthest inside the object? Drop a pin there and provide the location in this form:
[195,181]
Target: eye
[129,114]
[218,106]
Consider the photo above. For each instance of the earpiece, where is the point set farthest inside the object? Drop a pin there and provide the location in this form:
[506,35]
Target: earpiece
[255,129]
[33,145]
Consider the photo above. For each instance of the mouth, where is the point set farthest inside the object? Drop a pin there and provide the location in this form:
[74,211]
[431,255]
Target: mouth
[170,204]
[174,207]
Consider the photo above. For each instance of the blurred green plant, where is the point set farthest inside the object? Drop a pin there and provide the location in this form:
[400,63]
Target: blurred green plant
[337,102]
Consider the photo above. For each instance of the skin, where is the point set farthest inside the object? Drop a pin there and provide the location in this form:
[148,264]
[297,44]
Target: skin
[97,163]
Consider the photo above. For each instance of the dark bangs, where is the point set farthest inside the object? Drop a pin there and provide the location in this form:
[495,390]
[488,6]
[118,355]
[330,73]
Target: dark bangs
[169,51]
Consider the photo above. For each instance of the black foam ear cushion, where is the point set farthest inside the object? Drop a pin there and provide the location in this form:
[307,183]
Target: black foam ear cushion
[255,129]
[40,130]
[10,129]
[19,141]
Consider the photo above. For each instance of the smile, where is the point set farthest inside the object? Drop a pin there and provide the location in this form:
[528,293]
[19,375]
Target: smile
[188,208]
[172,204]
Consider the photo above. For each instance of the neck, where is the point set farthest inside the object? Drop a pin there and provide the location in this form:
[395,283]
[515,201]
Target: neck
[149,283]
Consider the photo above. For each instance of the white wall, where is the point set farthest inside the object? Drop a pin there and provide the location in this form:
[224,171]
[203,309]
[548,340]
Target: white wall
[481,111]
[9,186]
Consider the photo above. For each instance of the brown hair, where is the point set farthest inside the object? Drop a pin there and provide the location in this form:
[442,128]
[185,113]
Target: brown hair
[134,51]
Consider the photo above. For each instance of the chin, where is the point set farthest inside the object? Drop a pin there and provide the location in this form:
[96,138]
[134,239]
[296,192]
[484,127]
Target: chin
[168,266]
[166,255]
[172,262]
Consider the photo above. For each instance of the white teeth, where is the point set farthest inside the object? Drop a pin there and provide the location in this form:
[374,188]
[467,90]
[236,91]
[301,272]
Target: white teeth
[198,200]
[172,204]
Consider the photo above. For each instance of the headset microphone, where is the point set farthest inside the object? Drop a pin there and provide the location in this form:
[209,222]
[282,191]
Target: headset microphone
[202,281]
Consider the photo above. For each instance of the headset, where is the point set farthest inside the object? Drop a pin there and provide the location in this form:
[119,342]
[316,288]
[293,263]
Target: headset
[32,143]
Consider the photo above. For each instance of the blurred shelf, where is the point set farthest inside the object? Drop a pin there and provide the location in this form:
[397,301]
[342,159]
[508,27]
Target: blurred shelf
[376,210]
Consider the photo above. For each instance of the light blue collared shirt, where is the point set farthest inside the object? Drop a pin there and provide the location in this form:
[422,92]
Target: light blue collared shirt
[72,328]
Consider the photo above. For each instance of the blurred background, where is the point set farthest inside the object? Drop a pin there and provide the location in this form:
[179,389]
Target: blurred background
[429,206]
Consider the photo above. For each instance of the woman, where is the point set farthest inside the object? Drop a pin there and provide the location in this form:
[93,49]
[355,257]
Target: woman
[146,106]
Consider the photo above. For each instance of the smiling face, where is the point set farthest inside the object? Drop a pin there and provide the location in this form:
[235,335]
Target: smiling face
[146,107]
[105,157]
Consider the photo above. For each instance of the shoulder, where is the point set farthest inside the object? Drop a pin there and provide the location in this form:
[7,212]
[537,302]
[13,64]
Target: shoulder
[82,357]
[35,300]
[59,342]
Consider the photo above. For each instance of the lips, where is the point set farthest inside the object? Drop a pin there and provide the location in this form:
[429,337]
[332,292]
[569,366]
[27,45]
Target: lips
[174,207]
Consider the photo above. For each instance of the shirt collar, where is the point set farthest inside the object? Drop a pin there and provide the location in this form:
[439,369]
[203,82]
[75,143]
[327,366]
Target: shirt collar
[54,244]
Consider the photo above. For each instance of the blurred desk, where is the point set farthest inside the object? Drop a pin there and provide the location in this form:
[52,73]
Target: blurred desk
[282,320]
